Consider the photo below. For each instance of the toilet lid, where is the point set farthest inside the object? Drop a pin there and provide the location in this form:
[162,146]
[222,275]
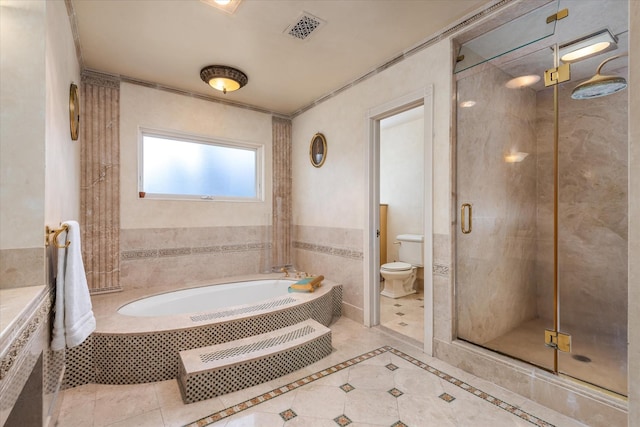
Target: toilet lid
[397,266]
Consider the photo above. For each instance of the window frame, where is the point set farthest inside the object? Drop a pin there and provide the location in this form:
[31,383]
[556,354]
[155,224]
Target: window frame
[206,140]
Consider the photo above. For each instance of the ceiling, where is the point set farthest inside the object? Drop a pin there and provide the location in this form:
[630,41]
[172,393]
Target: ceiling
[168,42]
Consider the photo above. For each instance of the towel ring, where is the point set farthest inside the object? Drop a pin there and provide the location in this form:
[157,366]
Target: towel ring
[56,232]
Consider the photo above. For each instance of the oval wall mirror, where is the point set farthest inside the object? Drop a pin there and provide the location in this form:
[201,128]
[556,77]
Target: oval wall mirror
[318,150]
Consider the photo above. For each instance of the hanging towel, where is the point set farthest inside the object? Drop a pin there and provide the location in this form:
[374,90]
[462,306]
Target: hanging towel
[73,320]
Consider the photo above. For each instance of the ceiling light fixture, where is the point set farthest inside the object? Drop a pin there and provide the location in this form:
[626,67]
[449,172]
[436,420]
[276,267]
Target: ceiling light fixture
[228,6]
[585,47]
[223,78]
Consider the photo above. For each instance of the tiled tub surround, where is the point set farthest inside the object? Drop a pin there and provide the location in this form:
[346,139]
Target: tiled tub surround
[336,253]
[157,257]
[129,350]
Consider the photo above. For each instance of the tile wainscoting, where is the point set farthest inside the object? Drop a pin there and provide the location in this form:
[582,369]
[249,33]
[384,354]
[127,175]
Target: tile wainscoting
[337,254]
[162,256]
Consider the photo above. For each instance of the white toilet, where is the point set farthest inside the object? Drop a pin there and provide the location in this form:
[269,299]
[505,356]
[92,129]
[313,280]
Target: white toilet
[400,277]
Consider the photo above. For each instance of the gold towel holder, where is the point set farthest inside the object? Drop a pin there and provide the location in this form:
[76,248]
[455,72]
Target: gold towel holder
[56,232]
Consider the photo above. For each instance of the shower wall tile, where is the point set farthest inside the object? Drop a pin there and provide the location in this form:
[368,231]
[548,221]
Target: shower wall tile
[496,287]
[337,254]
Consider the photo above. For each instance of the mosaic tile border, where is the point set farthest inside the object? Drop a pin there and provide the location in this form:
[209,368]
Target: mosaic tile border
[17,344]
[19,354]
[329,250]
[137,254]
[233,410]
[441,269]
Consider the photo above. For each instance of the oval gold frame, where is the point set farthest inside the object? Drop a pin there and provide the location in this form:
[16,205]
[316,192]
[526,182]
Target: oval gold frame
[318,150]
[74,111]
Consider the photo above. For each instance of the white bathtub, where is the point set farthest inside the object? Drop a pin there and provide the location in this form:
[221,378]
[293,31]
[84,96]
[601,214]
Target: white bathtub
[206,298]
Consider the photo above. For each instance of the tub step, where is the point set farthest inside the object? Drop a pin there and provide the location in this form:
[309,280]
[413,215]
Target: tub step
[208,372]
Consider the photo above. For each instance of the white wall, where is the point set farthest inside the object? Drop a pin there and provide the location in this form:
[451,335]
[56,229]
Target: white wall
[62,158]
[150,108]
[402,180]
[22,123]
[39,163]
[334,195]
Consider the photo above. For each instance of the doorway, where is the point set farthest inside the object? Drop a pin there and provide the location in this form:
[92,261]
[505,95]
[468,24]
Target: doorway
[399,202]
[401,214]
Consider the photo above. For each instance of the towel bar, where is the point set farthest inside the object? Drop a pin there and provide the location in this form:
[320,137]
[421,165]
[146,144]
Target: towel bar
[56,232]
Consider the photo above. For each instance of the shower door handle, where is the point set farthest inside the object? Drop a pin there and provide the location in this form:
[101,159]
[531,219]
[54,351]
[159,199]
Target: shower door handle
[467,230]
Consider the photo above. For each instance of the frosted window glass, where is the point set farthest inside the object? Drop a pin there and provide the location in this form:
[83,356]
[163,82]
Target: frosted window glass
[190,168]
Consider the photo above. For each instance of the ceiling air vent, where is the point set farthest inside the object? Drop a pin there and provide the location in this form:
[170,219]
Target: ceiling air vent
[304,26]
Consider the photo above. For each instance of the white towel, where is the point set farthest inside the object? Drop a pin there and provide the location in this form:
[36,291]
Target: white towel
[73,320]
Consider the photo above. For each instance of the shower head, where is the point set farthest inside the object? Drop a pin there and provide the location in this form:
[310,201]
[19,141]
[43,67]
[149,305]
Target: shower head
[600,85]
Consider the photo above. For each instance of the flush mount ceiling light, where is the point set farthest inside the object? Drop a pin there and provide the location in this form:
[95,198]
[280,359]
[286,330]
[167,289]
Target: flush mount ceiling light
[585,47]
[228,6]
[223,78]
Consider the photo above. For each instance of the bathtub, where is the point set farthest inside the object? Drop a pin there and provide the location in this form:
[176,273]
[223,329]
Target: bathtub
[144,347]
[205,298]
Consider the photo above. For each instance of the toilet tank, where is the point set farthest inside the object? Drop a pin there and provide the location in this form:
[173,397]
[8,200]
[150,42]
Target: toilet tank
[410,250]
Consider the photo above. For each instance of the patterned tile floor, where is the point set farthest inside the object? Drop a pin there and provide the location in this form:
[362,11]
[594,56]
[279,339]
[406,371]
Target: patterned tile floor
[371,379]
[404,315]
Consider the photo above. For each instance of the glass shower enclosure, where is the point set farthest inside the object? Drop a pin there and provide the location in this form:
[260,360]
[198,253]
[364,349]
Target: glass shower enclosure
[541,193]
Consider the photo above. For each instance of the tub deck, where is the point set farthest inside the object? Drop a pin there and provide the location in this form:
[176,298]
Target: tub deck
[130,350]
[109,321]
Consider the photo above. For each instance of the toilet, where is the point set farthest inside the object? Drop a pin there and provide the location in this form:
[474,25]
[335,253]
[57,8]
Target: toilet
[400,276]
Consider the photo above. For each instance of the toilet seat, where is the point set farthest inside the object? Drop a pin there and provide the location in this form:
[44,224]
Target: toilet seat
[396,266]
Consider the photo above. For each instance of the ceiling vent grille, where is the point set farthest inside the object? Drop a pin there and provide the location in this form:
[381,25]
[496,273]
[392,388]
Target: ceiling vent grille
[304,26]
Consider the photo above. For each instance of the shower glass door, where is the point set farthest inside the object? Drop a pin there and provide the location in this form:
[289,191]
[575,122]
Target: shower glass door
[504,284]
[593,227]
[541,195]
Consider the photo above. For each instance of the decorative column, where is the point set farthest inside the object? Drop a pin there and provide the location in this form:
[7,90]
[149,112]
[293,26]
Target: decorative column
[100,181]
[281,223]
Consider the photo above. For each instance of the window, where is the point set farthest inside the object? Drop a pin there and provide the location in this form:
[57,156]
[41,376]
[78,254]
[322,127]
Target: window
[188,167]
